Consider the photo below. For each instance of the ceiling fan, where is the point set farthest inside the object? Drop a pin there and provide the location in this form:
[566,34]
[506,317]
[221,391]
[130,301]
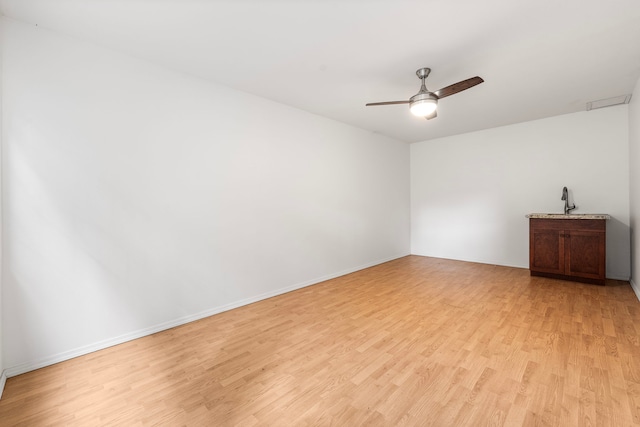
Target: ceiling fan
[424,103]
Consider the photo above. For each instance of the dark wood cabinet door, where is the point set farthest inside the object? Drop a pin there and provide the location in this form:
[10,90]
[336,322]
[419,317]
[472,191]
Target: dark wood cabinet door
[572,249]
[585,254]
[546,250]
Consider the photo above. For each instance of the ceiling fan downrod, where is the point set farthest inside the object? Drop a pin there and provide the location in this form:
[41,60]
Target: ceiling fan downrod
[423,103]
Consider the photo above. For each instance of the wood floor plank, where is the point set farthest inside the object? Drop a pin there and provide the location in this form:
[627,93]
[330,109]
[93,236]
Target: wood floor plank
[413,342]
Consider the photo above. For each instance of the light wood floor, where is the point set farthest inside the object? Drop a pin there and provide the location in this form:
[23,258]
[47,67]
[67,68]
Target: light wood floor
[416,341]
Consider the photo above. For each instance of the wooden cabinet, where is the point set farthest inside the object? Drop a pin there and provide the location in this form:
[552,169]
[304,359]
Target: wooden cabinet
[572,249]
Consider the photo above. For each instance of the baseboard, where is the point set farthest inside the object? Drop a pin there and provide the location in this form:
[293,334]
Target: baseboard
[624,279]
[635,288]
[3,381]
[81,351]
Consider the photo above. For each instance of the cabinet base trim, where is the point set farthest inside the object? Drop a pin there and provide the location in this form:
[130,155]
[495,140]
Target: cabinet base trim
[571,278]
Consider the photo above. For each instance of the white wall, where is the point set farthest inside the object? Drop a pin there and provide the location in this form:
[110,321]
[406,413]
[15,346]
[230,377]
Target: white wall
[2,372]
[470,193]
[634,186]
[137,198]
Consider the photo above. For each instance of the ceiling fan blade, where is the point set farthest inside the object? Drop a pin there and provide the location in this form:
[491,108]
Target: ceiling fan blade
[387,103]
[432,115]
[458,87]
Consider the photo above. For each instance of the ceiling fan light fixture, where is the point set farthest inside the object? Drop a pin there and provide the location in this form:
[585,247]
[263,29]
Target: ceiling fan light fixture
[423,104]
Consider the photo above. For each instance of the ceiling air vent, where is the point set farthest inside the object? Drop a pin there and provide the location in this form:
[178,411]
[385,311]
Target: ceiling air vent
[601,103]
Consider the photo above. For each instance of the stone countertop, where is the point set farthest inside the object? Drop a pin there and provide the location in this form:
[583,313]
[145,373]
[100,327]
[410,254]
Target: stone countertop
[568,216]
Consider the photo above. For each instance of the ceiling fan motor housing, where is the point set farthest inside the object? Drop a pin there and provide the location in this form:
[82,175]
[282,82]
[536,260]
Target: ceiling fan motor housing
[422,97]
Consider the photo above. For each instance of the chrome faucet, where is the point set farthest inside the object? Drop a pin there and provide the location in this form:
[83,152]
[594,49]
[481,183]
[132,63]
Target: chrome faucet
[565,197]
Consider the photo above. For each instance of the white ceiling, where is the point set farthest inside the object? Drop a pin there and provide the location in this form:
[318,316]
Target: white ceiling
[329,57]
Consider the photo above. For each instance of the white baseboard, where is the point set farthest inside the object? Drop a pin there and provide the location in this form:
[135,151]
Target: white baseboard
[635,288]
[3,381]
[624,279]
[61,357]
